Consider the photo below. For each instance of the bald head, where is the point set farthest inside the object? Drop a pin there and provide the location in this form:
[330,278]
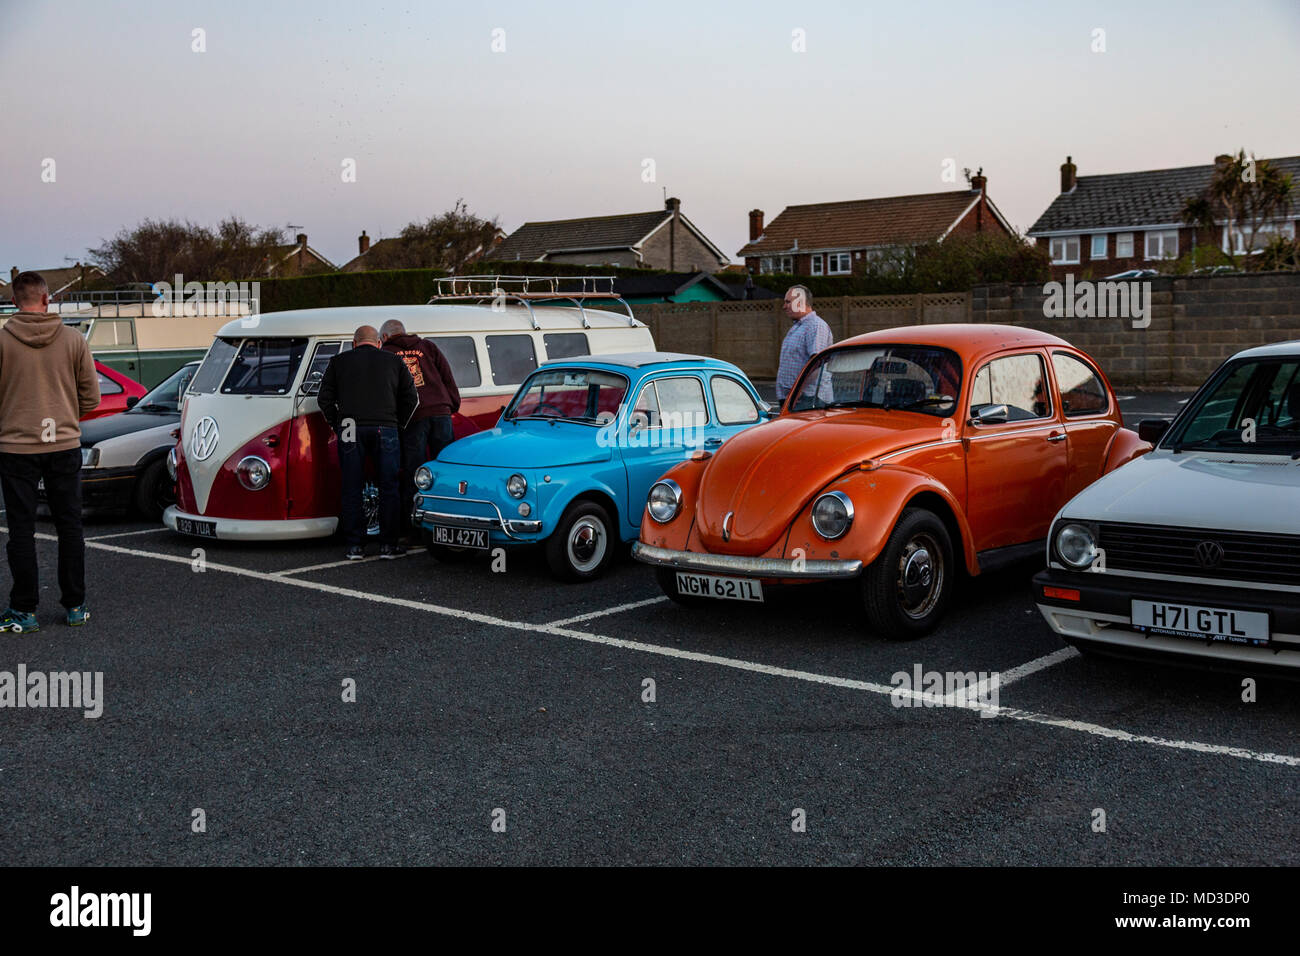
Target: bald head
[390,328]
[366,335]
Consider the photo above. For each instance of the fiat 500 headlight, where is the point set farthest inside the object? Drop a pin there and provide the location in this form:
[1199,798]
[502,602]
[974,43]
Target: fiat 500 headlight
[664,500]
[517,485]
[423,478]
[1076,546]
[832,514]
[254,473]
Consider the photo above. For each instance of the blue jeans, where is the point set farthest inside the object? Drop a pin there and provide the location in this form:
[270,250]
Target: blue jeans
[382,446]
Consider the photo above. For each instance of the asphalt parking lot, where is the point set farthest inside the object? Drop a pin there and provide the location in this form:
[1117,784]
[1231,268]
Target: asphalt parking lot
[478,692]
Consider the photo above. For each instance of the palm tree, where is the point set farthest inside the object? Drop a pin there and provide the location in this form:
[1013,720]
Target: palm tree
[1246,195]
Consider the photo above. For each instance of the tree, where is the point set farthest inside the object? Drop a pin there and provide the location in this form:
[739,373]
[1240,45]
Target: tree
[1248,196]
[448,241]
[156,249]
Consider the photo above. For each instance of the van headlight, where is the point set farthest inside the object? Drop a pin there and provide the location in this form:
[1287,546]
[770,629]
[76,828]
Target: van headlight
[89,457]
[423,478]
[664,500]
[1076,546]
[517,485]
[832,514]
[254,473]
[171,462]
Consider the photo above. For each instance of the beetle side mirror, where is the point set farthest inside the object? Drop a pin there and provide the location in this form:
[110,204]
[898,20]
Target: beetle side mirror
[1152,429]
[768,410]
[991,415]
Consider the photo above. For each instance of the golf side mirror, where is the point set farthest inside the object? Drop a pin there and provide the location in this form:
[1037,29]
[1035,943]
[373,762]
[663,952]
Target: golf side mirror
[1152,429]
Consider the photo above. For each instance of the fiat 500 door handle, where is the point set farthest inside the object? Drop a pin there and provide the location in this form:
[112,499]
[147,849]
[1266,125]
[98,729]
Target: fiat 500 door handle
[712,442]
[1060,437]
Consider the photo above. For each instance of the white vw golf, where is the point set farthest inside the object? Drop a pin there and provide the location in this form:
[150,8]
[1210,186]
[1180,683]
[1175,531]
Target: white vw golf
[1192,552]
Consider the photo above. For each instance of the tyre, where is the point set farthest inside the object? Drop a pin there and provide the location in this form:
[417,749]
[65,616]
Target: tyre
[906,590]
[667,579]
[154,491]
[582,547]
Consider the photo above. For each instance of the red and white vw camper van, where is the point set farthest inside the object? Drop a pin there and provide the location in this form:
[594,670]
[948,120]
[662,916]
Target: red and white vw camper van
[256,460]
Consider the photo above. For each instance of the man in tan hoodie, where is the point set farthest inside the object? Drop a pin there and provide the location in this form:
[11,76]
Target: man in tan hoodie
[47,382]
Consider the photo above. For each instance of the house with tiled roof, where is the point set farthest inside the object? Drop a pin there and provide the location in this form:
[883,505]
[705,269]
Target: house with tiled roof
[840,238]
[296,260]
[660,239]
[60,281]
[396,252]
[1114,222]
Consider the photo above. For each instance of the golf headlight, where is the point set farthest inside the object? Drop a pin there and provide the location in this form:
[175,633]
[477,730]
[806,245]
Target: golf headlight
[1076,546]
[832,514]
[171,462]
[423,478]
[89,457]
[664,500]
[517,485]
[254,474]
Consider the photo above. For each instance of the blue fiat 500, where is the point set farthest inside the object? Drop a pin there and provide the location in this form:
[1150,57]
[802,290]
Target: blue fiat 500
[574,454]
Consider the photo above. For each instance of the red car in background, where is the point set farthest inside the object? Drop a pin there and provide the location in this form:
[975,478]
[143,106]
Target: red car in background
[117,393]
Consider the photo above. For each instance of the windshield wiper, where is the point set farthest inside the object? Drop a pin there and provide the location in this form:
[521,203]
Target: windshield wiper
[861,403]
[922,402]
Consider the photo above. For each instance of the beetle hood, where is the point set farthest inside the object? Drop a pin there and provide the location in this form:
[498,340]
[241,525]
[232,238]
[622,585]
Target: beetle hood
[768,474]
[529,444]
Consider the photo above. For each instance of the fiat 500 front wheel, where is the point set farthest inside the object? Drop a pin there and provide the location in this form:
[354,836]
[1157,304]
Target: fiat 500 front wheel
[907,588]
[582,547]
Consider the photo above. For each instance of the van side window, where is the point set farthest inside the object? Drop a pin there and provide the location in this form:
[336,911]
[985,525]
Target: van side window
[320,360]
[561,345]
[462,357]
[512,358]
[107,333]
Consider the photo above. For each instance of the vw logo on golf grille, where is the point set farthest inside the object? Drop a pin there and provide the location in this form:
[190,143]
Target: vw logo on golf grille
[1209,554]
[204,438]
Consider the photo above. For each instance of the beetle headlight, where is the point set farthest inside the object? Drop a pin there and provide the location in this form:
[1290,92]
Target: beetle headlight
[664,500]
[89,457]
[1076,546]
[254,473]
[832,514]
[517,485]
[171,462]
[423,478]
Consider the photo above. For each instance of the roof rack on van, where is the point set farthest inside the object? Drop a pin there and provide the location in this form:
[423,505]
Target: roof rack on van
[526,290]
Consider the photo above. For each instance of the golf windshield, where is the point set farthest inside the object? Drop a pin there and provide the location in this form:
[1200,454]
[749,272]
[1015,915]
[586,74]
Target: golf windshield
[912,377]
[167,397]
[1252,408]
[575,394]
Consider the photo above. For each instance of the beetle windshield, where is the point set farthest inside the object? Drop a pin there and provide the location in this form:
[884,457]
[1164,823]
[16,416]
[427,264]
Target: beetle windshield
[1253,408]
[576,394]
[917,378]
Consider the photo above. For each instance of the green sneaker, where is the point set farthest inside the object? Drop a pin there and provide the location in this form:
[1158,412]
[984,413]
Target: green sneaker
[20,622]
[78,615]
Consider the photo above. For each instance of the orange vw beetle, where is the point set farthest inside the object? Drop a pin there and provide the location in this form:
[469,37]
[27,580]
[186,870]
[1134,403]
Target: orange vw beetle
[901,458]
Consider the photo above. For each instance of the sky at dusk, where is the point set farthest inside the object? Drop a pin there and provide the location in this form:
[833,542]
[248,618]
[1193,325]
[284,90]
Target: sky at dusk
[560,122]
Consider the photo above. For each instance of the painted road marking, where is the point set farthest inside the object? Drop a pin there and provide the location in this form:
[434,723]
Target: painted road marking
[127,534]
[1011,713]
[339,564]
[612,610]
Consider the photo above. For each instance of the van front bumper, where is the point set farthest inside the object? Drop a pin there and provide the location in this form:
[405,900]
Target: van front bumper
[241,529]
[736,565]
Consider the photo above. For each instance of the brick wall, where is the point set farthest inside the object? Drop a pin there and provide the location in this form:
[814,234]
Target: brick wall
[1088,267]
[1196,323]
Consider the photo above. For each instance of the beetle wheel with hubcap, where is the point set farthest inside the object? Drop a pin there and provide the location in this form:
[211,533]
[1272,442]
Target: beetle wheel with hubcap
[582,547]
[907,588]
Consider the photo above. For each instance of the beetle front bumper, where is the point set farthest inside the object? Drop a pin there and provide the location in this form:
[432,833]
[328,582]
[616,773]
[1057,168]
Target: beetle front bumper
[736,565]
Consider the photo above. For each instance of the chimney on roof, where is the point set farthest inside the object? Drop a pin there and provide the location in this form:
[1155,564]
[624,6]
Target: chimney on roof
[1223,159]
[755,224]
[363,243]
[672,204]
[1068,170]
[13,273]
[978,182]
[302,239]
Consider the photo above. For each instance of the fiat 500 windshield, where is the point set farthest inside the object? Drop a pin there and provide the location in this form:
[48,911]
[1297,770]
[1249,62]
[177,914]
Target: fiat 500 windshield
[1253,408]
[910,377]
[578,395]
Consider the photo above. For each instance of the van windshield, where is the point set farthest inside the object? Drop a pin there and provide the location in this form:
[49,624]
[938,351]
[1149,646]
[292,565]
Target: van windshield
[250,366]
[215,364]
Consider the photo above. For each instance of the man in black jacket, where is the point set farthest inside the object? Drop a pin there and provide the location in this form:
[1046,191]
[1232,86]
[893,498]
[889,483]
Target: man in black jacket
[368,396]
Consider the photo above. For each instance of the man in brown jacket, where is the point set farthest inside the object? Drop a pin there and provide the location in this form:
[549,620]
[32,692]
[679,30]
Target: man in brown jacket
[47,382]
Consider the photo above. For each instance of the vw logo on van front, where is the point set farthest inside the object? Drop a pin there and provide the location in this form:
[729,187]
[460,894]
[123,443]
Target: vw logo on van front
[204,438]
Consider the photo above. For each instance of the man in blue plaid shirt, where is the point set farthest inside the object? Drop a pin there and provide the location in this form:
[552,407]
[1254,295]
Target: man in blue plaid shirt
[807,336]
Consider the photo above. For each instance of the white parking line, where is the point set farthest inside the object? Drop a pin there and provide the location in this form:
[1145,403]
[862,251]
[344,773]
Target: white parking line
[127,534]
[609,610]
[981,690]
[339,564]
[1240,753]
